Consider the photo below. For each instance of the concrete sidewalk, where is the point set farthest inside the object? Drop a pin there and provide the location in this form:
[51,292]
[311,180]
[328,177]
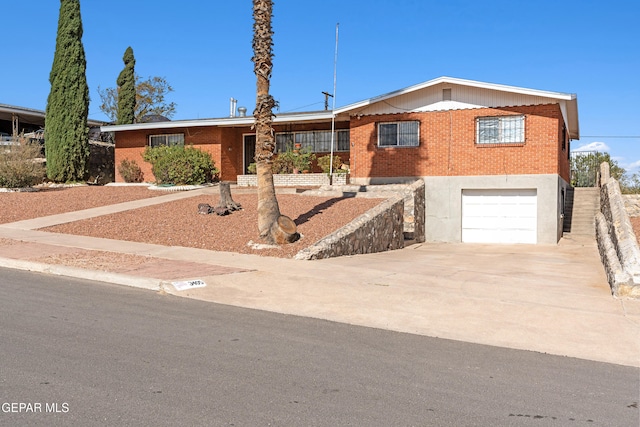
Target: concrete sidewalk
[547,298]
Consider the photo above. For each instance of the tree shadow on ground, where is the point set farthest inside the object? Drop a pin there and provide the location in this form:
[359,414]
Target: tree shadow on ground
[318,209]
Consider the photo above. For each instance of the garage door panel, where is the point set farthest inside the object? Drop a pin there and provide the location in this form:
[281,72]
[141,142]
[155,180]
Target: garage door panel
[499,216]
[518,224]
[474,236]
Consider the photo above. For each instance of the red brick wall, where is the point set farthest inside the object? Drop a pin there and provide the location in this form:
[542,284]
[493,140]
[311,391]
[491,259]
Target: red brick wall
[130,146]
[448,148]
[564,166]
[447,145]
[224,145]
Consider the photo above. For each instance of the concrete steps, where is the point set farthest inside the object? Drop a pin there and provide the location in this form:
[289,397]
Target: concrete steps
[581,206]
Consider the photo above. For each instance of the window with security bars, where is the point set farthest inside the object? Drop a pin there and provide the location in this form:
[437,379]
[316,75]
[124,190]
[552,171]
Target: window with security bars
[500,130]
[316,141]
[169,139]
[399,134]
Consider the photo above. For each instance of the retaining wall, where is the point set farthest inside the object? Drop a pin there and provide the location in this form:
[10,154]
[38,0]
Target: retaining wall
[377,230]
[382,228]
[616,239]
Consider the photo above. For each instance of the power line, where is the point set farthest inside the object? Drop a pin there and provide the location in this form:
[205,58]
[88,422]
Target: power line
[300,108]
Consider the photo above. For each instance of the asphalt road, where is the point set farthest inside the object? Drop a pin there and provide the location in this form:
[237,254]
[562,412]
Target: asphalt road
[75,352]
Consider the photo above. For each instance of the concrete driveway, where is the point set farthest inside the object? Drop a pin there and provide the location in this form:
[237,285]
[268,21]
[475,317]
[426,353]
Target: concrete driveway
[546,298]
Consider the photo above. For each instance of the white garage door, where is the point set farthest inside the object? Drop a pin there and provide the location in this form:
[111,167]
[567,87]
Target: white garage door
[499,216]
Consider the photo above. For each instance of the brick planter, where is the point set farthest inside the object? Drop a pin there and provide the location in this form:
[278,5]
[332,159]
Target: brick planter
[296,180]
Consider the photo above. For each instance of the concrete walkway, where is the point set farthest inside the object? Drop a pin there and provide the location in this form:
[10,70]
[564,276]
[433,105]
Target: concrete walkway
[546,298]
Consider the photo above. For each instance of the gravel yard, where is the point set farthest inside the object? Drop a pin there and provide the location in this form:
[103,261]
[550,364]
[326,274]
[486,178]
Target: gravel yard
[18,206]
[178,223]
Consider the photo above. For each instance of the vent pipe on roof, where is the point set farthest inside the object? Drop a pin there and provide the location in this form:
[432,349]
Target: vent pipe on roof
[232,107]
[242,111]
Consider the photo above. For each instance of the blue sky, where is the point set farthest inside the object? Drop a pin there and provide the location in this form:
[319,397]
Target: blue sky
[203,49]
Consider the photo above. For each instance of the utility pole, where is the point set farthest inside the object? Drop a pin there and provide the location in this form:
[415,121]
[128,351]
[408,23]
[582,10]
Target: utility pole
[326,100]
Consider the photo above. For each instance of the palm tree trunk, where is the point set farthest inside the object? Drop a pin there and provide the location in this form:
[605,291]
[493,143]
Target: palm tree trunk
[272,226]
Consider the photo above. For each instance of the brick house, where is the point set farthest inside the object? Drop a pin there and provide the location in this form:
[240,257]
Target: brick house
[495,158]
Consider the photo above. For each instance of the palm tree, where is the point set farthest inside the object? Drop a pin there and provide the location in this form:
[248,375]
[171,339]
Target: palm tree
[272,226]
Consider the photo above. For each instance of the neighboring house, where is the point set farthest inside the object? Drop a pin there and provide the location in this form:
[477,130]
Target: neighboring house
[15,120]
[495,158]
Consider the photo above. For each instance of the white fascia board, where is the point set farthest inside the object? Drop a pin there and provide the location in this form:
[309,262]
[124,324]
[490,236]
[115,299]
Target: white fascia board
[224,122]
[318,116]
[573,121]
[512,89]
[179,124]
[461,82]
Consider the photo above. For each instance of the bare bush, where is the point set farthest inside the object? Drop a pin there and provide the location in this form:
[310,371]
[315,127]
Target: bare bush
[130,171]
[21,164]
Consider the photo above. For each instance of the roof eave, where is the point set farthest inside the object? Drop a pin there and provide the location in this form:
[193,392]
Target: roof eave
[224,122]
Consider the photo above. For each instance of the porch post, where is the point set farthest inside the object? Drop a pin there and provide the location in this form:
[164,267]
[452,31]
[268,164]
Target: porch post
[14,119]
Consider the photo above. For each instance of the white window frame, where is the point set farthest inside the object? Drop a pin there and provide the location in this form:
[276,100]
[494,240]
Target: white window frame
[500,130]
[168,139]
[404,134]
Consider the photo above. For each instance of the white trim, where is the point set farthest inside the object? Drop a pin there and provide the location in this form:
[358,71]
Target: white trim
[224,122]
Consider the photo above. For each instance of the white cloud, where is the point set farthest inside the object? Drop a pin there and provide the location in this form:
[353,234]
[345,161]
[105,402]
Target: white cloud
[593,146]
[632,167]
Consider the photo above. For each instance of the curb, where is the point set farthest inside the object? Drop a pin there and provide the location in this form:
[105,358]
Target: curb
[79,273]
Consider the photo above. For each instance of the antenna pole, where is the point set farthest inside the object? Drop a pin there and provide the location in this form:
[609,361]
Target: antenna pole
[333,107]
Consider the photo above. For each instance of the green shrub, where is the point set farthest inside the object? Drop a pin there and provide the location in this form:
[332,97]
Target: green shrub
[180,165]
[252,169]
[324,163]
[283,163]
[291,160]
[21,165]
[130,171]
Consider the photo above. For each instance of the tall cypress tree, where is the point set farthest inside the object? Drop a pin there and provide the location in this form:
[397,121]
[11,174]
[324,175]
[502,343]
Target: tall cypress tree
[127,89]
[66,131]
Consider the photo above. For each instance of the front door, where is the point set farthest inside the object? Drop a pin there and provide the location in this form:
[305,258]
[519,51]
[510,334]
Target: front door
[249,151]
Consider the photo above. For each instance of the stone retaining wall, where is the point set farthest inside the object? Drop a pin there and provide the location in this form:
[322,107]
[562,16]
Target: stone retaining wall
[295,180]
[413,194]
[383,228]
[377,230]
[617,242]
